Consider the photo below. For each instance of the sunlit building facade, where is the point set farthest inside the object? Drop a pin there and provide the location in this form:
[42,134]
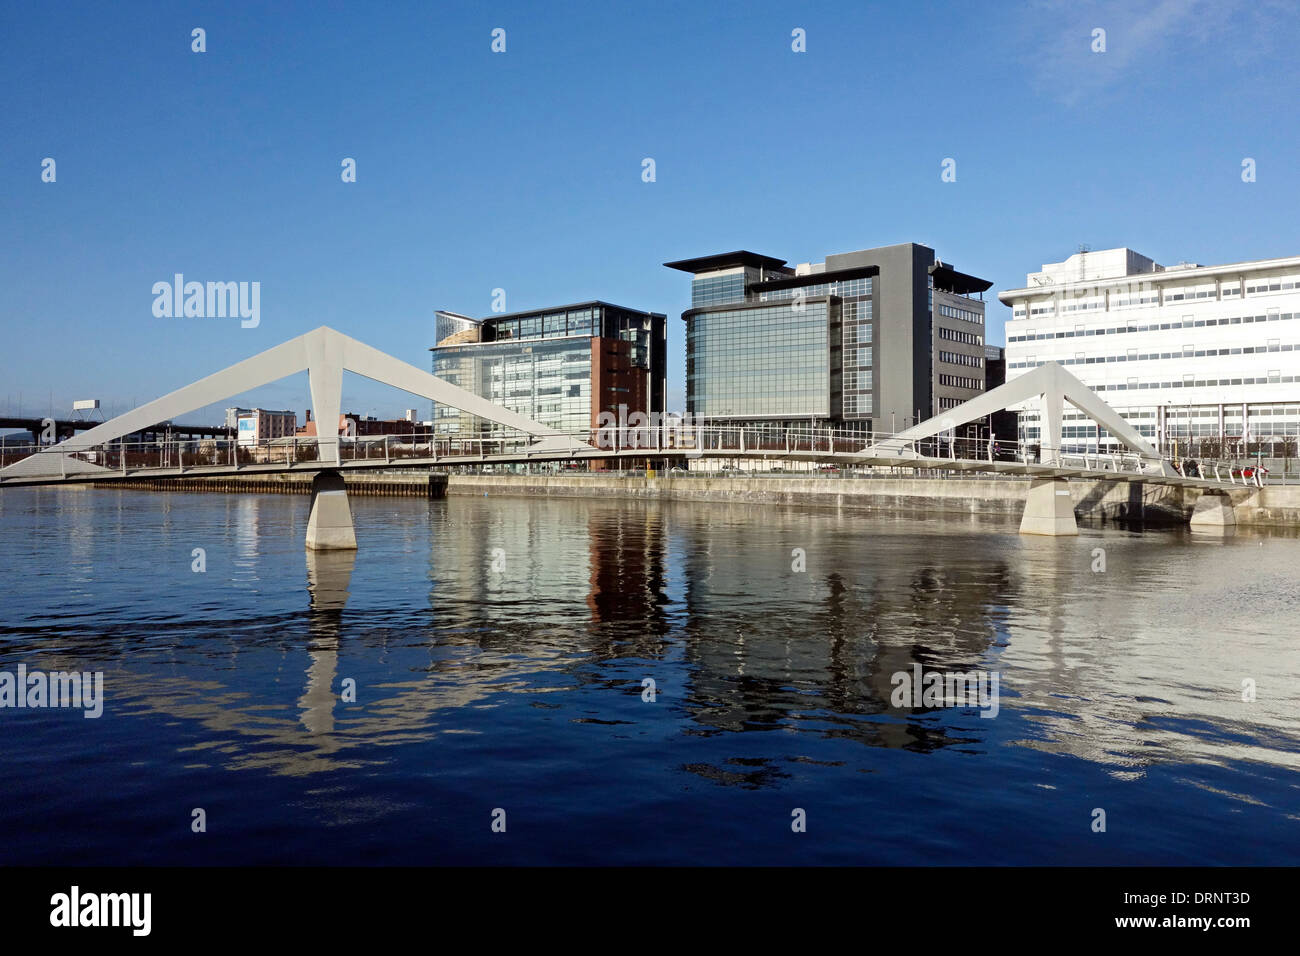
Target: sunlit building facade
[561,367]
[1206,355]
[259,425]
[869,341]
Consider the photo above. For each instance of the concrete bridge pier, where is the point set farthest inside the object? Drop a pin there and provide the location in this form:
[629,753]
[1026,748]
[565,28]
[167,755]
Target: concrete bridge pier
[1213,512]
[1049,508]
[330,526]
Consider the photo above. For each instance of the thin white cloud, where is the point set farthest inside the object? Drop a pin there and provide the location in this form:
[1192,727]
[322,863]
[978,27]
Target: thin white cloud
[1057,36]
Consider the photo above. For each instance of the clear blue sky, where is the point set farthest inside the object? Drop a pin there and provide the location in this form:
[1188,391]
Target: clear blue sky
[522,170]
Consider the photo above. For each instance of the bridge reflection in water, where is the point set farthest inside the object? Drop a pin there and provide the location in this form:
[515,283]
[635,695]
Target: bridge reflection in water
[594,596]
[499,648]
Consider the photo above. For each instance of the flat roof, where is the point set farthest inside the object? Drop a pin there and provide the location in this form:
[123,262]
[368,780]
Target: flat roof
[564,308]
[948,278]
[725,260]
[549,310]
[1170,275]
[814,278]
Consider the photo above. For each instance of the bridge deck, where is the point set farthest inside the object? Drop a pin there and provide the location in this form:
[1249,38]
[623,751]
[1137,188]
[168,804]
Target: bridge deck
[849,458]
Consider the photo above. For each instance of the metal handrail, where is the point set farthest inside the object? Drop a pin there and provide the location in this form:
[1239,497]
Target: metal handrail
[625,441]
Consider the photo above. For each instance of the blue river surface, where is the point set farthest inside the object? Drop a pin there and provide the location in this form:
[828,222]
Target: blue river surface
[471,686]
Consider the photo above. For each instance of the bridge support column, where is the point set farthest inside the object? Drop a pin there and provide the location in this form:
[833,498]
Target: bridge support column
[1049,509]
[330,526]
[1213,512]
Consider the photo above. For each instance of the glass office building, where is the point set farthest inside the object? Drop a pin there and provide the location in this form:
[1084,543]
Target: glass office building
[561,366]
[769,362]
[865,341]
[856,333]
[547,381]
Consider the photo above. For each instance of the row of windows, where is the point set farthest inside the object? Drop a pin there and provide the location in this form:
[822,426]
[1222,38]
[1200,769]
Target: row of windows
[1188,322]
[1231,412]
[955,313]
[585,322]
[1188,351]
[857,404]
[960,381]
[857,358]
[717,290]
[1195,292]
[1175,429]
[957,358]
[1274,377]
[1179,432]
[845,288]
[772,406]
[728,289]
[955,335]
[1125,300]
[859,334]
[1149,295]
[706,373]
[855,309]
[1276,284]
[946,403]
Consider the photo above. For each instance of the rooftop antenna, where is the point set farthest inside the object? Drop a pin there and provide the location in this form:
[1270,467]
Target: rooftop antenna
[1084,249]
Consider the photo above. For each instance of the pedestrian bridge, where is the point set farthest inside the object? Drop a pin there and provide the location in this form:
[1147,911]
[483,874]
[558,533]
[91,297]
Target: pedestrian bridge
[100,454]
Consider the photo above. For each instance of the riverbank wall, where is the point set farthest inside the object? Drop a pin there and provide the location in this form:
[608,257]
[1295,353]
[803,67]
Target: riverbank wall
[1099,501]
[1096,501]
[364,484]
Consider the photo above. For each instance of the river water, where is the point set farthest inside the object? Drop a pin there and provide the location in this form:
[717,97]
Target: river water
[481,663]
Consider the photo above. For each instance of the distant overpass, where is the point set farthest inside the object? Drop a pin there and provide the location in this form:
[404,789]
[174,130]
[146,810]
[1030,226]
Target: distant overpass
[67,427]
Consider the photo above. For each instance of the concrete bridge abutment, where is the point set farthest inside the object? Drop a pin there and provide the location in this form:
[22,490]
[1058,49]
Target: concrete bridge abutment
[1213,513]
[330,526]
[1049,509]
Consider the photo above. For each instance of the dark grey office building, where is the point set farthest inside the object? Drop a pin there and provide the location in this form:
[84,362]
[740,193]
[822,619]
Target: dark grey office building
[869,341]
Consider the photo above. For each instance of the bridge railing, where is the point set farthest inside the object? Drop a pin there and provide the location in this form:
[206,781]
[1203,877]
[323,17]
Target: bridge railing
[672,440]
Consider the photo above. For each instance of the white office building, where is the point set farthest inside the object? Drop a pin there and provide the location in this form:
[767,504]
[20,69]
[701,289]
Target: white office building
[1206,355]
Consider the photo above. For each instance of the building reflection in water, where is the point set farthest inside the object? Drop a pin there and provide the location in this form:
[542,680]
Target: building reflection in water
[591,596]
[770,647]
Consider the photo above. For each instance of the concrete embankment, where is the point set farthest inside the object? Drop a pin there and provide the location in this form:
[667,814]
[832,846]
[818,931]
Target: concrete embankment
[362,484]
[1274,506]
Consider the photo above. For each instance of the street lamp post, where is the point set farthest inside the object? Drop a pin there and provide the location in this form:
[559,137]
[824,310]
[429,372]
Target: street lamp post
[1173,430]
